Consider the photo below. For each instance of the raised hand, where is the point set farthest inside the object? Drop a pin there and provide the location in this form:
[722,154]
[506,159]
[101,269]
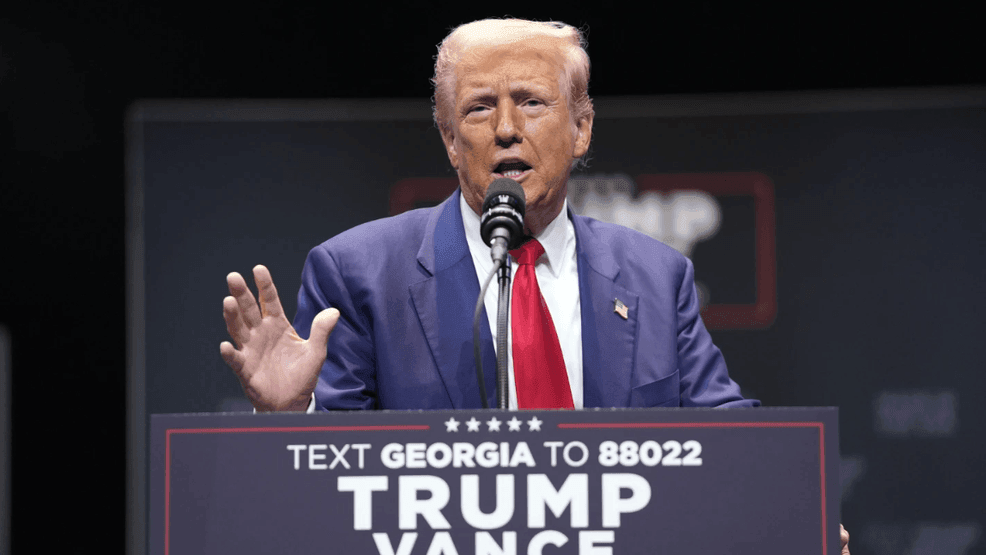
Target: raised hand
[276,367]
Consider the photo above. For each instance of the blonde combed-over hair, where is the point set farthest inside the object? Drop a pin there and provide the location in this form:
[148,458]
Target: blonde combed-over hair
[495,32]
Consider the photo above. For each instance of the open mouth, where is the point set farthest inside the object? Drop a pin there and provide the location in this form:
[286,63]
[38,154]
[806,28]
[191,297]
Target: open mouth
[513,170]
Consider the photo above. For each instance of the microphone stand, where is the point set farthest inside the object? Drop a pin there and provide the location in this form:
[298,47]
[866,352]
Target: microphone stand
[502,219]
[502,318]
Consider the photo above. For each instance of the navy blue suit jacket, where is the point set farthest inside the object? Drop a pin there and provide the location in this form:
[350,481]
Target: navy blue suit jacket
[406,289]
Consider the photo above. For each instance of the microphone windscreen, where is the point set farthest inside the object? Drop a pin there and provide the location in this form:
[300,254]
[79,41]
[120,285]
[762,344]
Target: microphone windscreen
[506,186]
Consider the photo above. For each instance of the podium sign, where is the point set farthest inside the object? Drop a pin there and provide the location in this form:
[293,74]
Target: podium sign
[599,482]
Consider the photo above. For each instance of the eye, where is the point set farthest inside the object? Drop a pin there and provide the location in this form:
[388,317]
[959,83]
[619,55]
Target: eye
[533,102]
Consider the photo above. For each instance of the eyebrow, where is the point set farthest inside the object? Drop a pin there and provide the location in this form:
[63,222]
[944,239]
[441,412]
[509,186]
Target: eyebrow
[485,93]
[516,89]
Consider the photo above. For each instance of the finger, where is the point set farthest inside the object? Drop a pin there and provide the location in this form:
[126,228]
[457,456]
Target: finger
[234,359]
[844,537]
[270,303]
[234,322]
[244,297]
[322,326]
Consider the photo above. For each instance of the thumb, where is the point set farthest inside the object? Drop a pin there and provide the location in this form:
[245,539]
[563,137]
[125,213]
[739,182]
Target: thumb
[322,326]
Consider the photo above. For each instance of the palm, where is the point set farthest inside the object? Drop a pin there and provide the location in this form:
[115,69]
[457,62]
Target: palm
[279,365]
[276,367]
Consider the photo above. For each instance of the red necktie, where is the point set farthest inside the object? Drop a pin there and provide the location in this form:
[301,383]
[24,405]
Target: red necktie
[539,368]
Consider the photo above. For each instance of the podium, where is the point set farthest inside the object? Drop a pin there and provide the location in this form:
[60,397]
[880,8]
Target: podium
[488,482]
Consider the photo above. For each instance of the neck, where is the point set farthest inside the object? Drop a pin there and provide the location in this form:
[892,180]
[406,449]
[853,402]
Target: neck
[535,221]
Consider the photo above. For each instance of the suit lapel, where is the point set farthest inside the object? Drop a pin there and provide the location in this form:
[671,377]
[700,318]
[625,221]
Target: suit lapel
[608,340]
[444,304]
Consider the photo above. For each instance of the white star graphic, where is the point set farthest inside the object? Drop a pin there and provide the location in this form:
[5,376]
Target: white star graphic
[534,425]
[513,424]
[472,424]
[494,424]
[452,425]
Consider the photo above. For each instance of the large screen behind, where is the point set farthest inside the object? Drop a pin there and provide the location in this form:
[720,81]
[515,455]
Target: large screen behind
[837,239]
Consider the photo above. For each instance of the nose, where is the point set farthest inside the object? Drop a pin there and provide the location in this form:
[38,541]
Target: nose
[507,129]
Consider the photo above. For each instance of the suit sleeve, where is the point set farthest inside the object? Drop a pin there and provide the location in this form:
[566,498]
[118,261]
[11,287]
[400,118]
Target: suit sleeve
[348,377]
[704,379]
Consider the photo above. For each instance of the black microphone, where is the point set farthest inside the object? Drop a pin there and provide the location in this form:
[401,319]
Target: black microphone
[502,222]
[502,228]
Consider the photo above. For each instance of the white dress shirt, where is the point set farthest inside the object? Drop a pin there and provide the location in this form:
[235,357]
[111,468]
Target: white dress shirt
[558,279]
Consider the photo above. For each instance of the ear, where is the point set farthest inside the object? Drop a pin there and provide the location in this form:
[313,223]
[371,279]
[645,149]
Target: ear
[448,137]
[583,136]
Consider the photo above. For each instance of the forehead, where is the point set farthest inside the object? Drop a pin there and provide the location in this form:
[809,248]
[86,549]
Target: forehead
[536,60]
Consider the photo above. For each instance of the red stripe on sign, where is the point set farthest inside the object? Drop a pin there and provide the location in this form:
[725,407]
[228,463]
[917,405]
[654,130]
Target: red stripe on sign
[821,456]
[692,425]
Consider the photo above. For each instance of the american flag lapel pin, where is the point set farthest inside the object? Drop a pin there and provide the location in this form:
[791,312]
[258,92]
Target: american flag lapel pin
[620,308]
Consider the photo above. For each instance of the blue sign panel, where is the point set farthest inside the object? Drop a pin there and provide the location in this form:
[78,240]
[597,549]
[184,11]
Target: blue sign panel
[761,481]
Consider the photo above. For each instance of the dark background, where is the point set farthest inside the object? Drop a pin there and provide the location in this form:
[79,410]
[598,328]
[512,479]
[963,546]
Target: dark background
[67,74]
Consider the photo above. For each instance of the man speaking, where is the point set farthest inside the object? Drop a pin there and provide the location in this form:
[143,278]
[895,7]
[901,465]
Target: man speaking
[602,316]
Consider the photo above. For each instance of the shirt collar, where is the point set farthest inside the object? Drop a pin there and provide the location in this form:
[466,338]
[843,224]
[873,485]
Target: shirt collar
[556,238]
